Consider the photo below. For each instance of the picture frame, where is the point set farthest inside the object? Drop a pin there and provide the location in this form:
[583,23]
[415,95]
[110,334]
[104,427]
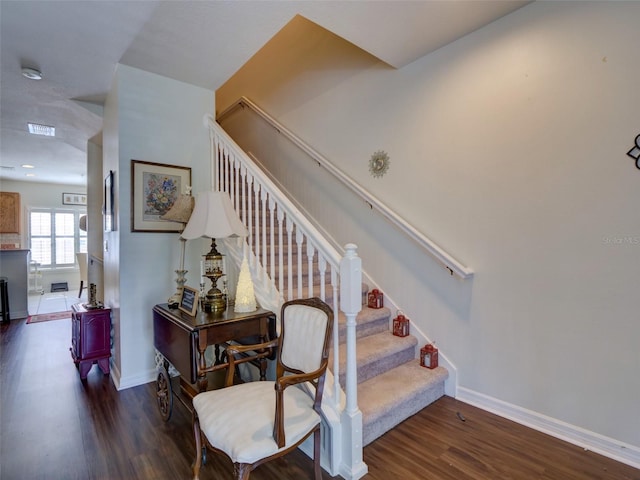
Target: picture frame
[189,301]
[74,199]
[154,189]
[108,213]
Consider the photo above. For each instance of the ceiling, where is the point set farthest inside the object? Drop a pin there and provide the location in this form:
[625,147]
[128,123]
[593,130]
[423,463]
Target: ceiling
[77,45]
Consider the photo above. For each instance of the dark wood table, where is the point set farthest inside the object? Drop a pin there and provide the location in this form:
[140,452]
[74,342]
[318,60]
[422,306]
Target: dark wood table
[183,340]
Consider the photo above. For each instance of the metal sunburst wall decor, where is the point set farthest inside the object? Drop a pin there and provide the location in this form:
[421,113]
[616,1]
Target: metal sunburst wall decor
[379,163]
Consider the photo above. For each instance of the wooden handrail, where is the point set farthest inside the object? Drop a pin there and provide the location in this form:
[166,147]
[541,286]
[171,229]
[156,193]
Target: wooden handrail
[453,265]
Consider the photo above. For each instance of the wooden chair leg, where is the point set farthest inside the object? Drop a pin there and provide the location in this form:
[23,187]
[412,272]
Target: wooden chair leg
[198,461]
[241,471]
[316,454]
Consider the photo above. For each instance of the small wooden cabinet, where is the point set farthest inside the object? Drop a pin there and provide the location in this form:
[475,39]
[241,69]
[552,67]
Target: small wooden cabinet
[9,212]
[90,338]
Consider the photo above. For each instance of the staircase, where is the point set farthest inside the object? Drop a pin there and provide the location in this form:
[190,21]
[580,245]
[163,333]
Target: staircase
[290,258]
[392,385]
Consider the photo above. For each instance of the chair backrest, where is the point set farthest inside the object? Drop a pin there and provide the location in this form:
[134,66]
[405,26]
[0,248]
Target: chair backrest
[82,263]
[304,337]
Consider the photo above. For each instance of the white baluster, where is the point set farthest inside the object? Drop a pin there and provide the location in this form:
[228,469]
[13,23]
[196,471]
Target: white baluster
[214,145]
[310,253]
[280,253]
[289,260]
[272,229]
[223,168]
[256,213]
[236,186]
[299,239]
[249,215]
[243,186]
[245,193]
[263,227]
[336,337]
[322,268]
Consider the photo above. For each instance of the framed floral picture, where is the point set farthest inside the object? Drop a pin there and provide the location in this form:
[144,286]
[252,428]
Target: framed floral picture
[154,189]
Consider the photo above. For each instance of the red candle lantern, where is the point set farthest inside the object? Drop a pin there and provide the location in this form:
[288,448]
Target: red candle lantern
[400,325]
[375,298]
[429,356]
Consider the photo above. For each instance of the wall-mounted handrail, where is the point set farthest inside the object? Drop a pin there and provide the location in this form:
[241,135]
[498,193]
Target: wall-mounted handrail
[453,265]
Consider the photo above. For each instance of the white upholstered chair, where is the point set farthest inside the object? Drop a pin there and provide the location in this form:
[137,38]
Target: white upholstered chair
[82,263]
[252,423]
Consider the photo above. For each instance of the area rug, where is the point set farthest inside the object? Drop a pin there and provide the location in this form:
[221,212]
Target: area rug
[45,317]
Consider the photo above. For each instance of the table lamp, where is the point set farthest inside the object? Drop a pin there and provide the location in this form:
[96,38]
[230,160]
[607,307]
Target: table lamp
[214,217]
[180,212]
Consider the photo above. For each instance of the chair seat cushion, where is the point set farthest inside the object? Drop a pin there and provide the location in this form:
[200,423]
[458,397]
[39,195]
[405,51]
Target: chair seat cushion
[239,420]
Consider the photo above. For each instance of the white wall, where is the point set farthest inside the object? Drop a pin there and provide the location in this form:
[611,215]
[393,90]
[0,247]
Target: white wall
[155,119]
[95,226]
[508,148]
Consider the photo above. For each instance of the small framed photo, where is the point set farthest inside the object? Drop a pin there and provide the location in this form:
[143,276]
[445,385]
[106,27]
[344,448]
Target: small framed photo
[154,189]
[74,199]
[189,301]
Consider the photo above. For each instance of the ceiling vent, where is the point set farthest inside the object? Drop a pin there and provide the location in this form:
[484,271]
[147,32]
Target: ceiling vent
[45,130]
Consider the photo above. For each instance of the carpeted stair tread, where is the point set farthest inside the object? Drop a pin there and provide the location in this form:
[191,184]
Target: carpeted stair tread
[370,321]
[376,354]
[390,398]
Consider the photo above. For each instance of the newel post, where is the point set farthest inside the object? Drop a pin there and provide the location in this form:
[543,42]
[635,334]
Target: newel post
[350,304]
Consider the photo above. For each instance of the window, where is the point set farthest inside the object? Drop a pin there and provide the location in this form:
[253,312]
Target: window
[54,237]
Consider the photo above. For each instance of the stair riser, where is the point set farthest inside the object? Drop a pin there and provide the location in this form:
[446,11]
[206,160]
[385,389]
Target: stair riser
[378,366]
[373,428]
[364,330]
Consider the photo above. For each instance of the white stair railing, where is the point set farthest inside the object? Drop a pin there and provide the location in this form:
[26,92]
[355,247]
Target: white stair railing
[280,235]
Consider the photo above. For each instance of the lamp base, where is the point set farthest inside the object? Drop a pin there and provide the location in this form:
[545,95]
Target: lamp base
[174,300]
[214,301]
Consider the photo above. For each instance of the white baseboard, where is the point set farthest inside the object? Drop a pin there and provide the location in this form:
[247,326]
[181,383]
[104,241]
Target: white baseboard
[609,447]
[131,381]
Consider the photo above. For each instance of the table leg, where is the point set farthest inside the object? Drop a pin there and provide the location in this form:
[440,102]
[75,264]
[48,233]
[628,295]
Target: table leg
[103,364]
[84,369]
[263,361]
[202,363]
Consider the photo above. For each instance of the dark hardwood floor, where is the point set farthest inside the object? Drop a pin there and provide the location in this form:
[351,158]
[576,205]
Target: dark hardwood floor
[53,426]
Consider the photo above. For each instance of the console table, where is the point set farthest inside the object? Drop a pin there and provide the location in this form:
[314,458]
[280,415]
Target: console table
[90,338]
[182,340]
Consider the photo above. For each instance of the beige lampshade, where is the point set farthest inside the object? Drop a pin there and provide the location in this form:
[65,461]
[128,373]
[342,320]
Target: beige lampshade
[214,217]
[181,209]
